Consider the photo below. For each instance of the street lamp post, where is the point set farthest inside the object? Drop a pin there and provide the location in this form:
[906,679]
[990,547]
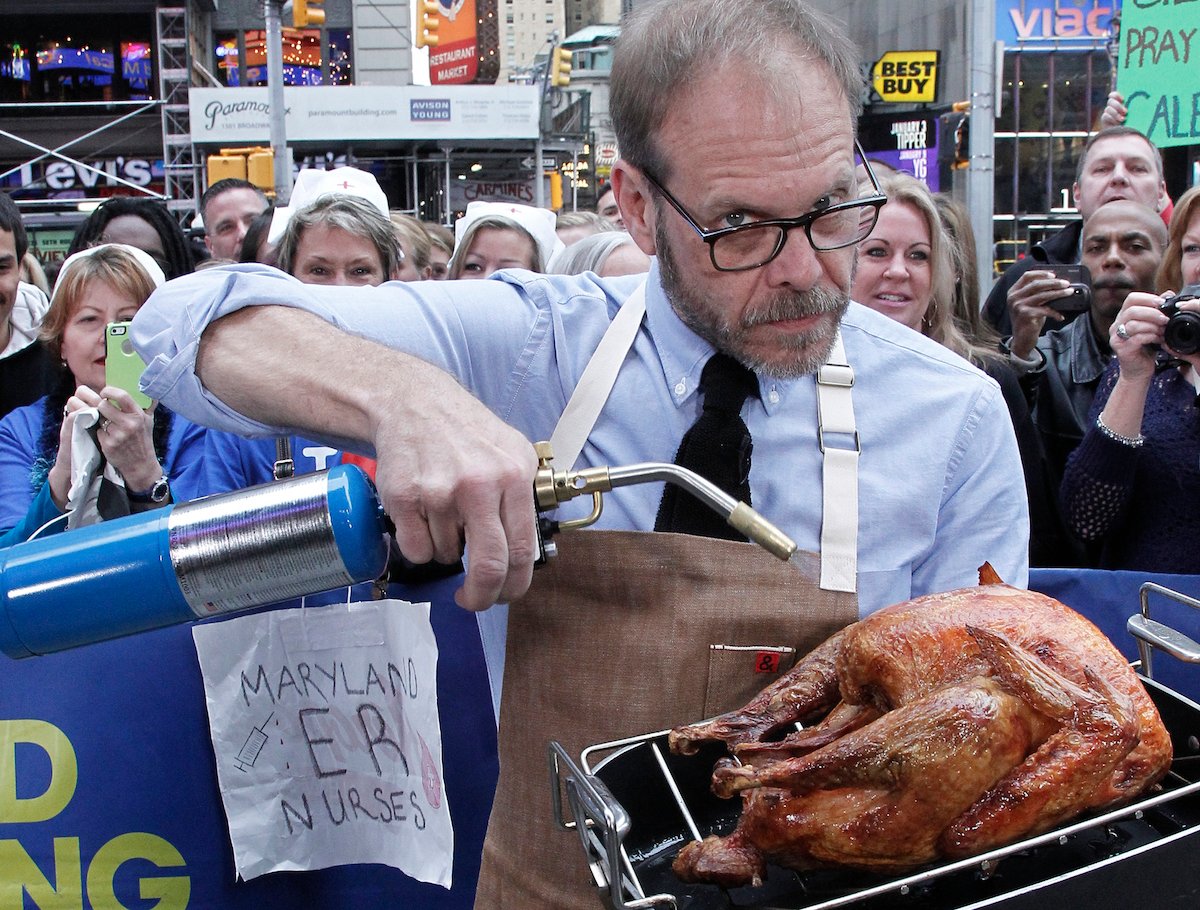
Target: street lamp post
[272,10]
[981,174]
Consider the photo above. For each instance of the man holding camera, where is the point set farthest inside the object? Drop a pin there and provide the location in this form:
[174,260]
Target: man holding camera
[1117,163]
[1122,244]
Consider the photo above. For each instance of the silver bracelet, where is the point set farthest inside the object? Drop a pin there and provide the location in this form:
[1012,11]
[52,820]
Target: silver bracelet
[1135,442]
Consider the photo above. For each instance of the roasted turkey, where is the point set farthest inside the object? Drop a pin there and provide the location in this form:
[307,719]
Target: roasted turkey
[946,726]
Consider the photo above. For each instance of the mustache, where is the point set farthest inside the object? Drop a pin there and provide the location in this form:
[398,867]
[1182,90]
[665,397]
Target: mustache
[1119,283]
[795,305]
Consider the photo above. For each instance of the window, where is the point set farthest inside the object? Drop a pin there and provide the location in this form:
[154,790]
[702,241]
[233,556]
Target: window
[77,58]
[310,57]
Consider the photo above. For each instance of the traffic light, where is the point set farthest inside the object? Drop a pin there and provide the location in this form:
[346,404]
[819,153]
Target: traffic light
[556,190]
[256,164]
[223,166]
[307,12]
[560,67]
[260,169]
[427,23]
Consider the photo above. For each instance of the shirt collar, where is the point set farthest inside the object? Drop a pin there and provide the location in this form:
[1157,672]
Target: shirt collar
[682,353]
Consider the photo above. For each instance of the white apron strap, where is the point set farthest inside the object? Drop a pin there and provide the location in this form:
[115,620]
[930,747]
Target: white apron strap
[839,524]
[595,385]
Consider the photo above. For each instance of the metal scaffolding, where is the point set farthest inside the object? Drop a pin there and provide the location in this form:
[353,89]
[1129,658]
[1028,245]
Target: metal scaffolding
[180,171]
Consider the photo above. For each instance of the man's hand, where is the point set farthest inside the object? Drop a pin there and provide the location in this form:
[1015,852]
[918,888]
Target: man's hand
[449,471]
[456,475]
[1028,307]
[1115,112]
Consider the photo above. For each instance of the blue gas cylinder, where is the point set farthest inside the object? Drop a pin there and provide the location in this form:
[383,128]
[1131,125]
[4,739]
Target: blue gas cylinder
[213,556]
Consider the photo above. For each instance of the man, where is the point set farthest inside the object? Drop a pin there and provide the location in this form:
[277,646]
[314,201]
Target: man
[26,369]
[228,207]
[606,208]
[938,477]
[1117,163]
[1122,245]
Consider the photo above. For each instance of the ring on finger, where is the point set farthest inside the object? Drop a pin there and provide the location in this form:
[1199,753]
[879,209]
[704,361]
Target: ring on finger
[104,425]
[1122,332]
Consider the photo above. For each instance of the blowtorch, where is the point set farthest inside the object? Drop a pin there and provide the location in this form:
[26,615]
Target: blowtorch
[233,552]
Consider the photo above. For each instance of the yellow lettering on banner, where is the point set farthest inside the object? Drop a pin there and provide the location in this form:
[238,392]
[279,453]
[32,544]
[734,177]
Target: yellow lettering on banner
[64,771]
[172,892]
[19,874]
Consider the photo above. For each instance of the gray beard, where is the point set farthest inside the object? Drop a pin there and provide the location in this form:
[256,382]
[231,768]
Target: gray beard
[804,352]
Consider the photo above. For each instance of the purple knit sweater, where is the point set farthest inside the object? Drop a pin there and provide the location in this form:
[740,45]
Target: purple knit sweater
[1141,503]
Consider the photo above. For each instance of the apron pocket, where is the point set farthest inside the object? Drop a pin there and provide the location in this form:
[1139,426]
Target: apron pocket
[736,673]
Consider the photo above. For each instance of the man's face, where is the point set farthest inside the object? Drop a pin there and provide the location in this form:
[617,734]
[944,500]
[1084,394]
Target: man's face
[1119,167]
[606,208]
[778,158]
[1122,246]
[10,277]
[226,220]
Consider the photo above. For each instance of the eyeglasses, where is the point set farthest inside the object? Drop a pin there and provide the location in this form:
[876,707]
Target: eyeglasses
[750,246]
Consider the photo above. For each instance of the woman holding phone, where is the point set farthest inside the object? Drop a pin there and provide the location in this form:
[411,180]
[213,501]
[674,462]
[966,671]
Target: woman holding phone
[154,454]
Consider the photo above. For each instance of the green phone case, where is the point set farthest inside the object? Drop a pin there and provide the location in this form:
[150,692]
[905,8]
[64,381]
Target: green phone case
[122,365]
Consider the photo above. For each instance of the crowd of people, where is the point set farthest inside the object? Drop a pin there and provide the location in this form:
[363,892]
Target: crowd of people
[51,368]
[902,434]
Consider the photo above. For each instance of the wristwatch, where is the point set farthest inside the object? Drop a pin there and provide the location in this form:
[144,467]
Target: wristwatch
[159,493]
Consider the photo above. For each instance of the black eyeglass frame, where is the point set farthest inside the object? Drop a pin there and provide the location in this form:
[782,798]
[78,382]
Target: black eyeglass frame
[805,221]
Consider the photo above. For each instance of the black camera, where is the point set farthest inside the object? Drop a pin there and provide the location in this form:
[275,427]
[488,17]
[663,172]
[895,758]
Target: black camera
[1182,334]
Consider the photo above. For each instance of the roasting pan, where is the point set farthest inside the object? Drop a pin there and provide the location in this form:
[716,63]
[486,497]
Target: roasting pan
[633,805]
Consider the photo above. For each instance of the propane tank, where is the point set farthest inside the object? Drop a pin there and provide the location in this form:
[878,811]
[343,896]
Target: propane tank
[218,555]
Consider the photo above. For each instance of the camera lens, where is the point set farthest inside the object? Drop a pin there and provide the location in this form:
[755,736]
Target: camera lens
[1182,334]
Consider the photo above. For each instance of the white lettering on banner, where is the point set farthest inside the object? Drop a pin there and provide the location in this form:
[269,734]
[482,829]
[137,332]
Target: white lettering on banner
[324,724]
[62,175]
[910,134]
[458,53]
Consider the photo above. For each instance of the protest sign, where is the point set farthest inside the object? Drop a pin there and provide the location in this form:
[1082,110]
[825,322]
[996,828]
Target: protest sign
[1156,70]
[324,724]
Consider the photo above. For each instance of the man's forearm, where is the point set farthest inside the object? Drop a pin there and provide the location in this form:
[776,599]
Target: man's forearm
[291,369]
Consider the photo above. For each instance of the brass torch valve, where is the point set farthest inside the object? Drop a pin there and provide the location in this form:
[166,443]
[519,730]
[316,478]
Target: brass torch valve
[551,488]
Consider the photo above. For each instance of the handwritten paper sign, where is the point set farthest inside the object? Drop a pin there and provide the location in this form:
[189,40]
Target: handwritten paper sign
[1157,65]
[324,724]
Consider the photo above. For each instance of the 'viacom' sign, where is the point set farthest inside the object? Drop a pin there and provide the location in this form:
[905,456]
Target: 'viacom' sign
[1025,21]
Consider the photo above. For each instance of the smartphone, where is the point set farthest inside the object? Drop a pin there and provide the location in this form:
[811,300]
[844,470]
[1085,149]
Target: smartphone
[122,365]
[1081,288]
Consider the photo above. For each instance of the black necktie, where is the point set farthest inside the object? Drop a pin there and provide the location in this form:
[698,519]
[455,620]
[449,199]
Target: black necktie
[717,447]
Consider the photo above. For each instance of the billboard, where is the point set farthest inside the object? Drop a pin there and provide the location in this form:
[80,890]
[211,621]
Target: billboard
[365,112]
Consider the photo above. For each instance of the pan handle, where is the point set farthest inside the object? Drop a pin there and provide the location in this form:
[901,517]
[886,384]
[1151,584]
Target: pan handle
[1151,634]
[602,824]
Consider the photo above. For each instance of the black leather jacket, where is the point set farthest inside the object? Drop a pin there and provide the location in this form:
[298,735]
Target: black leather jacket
[1060,392]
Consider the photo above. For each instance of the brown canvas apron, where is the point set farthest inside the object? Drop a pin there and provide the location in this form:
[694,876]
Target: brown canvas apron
[629,632]
[620,636]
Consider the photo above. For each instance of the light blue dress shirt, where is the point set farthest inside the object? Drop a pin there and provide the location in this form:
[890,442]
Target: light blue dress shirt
[941,488]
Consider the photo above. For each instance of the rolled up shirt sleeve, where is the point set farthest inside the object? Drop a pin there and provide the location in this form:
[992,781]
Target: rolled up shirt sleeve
[420,318]
[168,328]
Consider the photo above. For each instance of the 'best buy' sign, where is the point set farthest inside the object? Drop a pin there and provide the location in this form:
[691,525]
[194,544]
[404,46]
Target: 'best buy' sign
[906,76]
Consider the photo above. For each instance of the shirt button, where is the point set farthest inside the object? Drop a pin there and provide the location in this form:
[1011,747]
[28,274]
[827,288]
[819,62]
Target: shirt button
[680,387]
[773,397]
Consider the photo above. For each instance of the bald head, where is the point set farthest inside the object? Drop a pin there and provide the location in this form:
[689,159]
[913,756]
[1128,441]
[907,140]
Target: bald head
[1123,243]
[1134,216]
